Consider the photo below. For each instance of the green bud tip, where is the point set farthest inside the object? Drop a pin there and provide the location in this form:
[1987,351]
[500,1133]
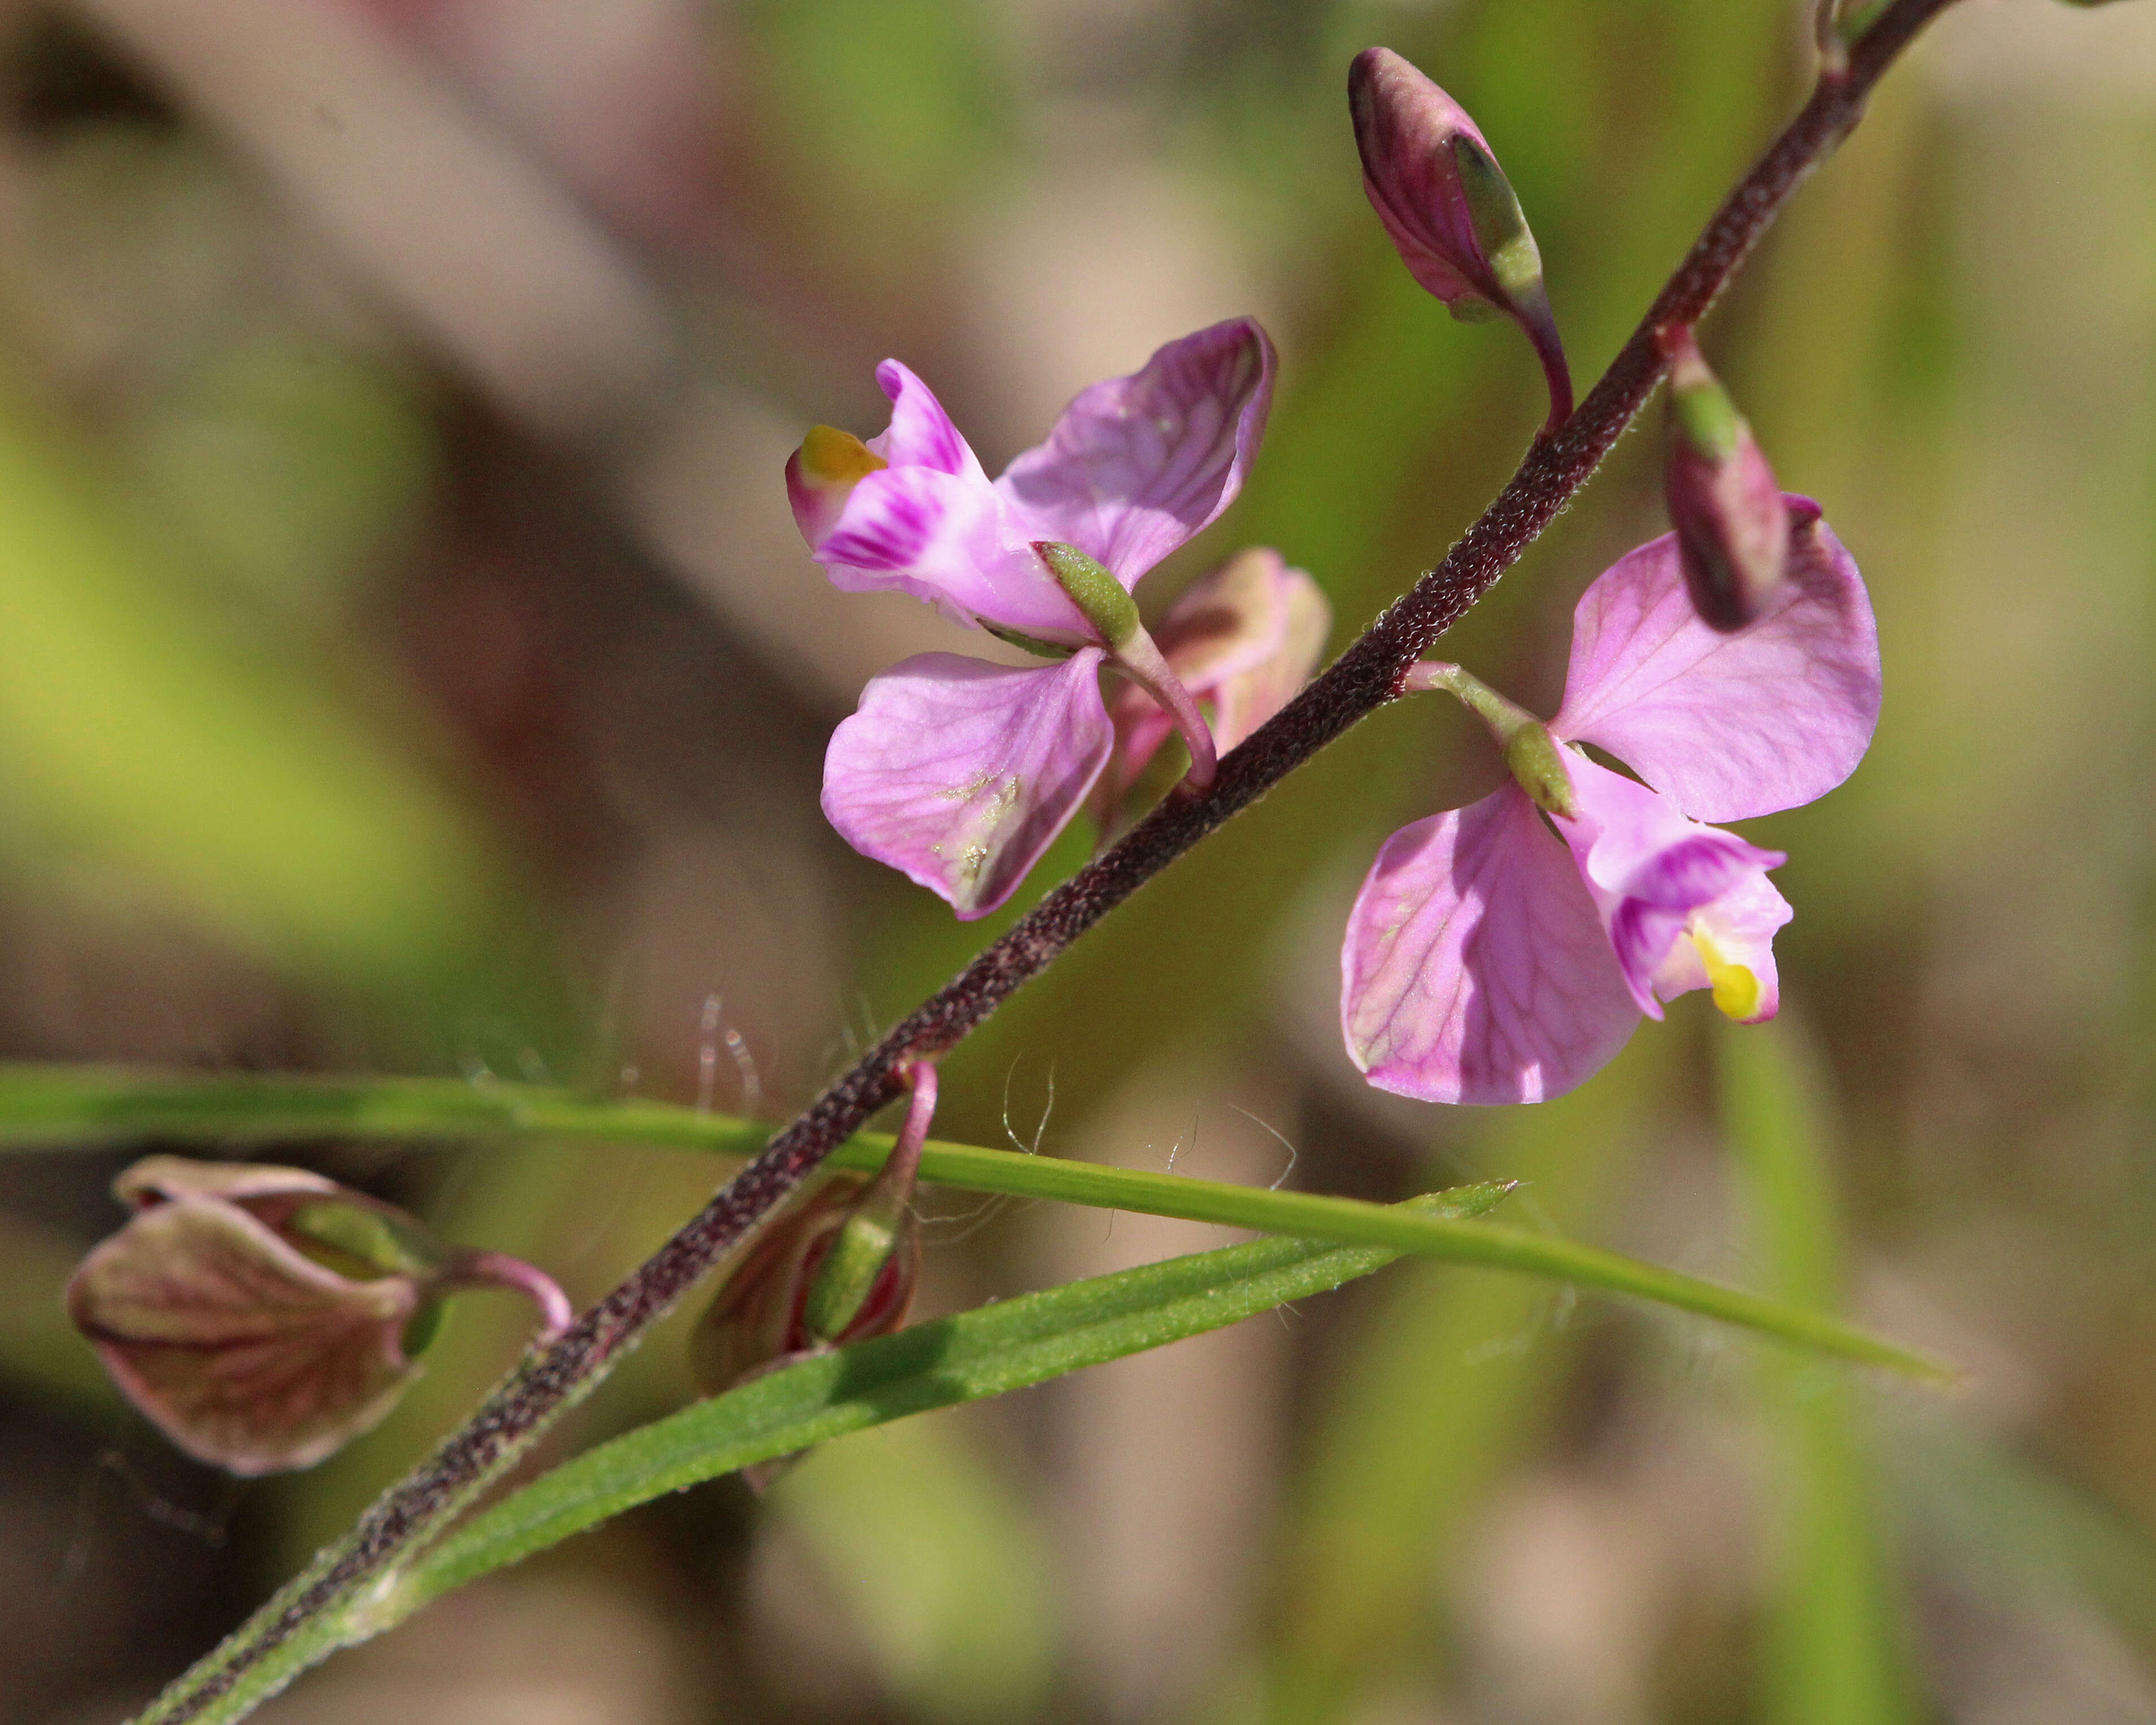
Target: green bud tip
[848,1274]
[1700,409]
[1500,226]
[1111,610]
[362,1243]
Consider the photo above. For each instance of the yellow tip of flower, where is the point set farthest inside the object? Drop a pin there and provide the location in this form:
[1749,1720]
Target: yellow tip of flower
[1737,991]
[832,457]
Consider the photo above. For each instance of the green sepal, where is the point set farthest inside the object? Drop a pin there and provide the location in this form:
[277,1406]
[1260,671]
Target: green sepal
[1537,761]
[1706,419]
[1500,226]
[1111,611]
[1030,644]
[849,1275]
[425,1324]
[361,1243]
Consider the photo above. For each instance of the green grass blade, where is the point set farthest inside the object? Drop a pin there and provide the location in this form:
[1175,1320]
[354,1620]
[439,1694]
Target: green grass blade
[1433,1401]
[1834,1644]
[47,1104]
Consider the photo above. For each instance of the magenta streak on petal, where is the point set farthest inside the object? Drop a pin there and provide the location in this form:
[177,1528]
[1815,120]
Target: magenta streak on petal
[921,434]
[1729,726]
[1475,968]
[1695,869]
[949,539]
[960,774]
[1136,465]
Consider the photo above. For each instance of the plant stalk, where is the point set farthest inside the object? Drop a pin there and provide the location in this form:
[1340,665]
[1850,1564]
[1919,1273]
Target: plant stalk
[289,1630]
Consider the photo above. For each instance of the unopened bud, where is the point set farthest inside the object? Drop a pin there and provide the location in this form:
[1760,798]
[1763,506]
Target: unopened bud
[263,1316]
[1733,526]
[820,476]
[839,1267]
[1452,215]
[768,1310]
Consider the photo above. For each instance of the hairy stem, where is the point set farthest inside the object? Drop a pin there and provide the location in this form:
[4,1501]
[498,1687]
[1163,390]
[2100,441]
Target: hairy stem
[249,1666]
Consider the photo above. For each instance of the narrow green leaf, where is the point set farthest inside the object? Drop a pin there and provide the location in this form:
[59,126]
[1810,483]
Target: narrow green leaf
[51,1105]
[979,1353]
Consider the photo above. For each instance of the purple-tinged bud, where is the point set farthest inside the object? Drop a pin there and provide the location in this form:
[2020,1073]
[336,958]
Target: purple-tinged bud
[261,1316]
[840,1267]
[761,1318]
[821,475]
[1732,524]
[1452,215]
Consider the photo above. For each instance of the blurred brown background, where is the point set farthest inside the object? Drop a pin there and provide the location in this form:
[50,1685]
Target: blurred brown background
[407,664]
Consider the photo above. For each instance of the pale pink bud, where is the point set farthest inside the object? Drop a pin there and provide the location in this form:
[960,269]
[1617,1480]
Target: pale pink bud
[1452,215]
[1732,524]
[263,1316]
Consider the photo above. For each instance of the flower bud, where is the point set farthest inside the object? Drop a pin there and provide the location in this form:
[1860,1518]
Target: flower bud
[263,1316]
[768,1312]
[821,475]
[1732,524]
[838,1268]
[1450,211]
[1242,640]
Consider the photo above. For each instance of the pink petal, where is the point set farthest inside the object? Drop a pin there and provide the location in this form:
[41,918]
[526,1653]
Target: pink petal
[1475,969]
[1729,726]
[245,1353]
[1657,880]
[921,434]
[960,774]
[949,539]
[1136,465]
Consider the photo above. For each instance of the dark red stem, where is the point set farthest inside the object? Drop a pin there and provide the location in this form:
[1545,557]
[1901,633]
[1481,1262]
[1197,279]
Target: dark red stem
[1363,679]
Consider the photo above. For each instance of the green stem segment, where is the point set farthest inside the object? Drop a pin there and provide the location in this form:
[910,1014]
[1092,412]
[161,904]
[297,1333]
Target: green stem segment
[1532,754]
[48,1107]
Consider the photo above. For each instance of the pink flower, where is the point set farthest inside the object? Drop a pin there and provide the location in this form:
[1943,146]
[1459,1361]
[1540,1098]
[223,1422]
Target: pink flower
[961,773]
[1482,964]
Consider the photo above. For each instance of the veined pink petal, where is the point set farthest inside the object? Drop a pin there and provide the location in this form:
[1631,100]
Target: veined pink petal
[244,1352]
[1138,465]
[1475,969]
[947,538]
[960,773]
[921,434]
[1662,885]
[1729,725]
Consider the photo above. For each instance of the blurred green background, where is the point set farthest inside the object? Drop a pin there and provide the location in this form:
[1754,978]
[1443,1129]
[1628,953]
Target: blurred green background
[407,664]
